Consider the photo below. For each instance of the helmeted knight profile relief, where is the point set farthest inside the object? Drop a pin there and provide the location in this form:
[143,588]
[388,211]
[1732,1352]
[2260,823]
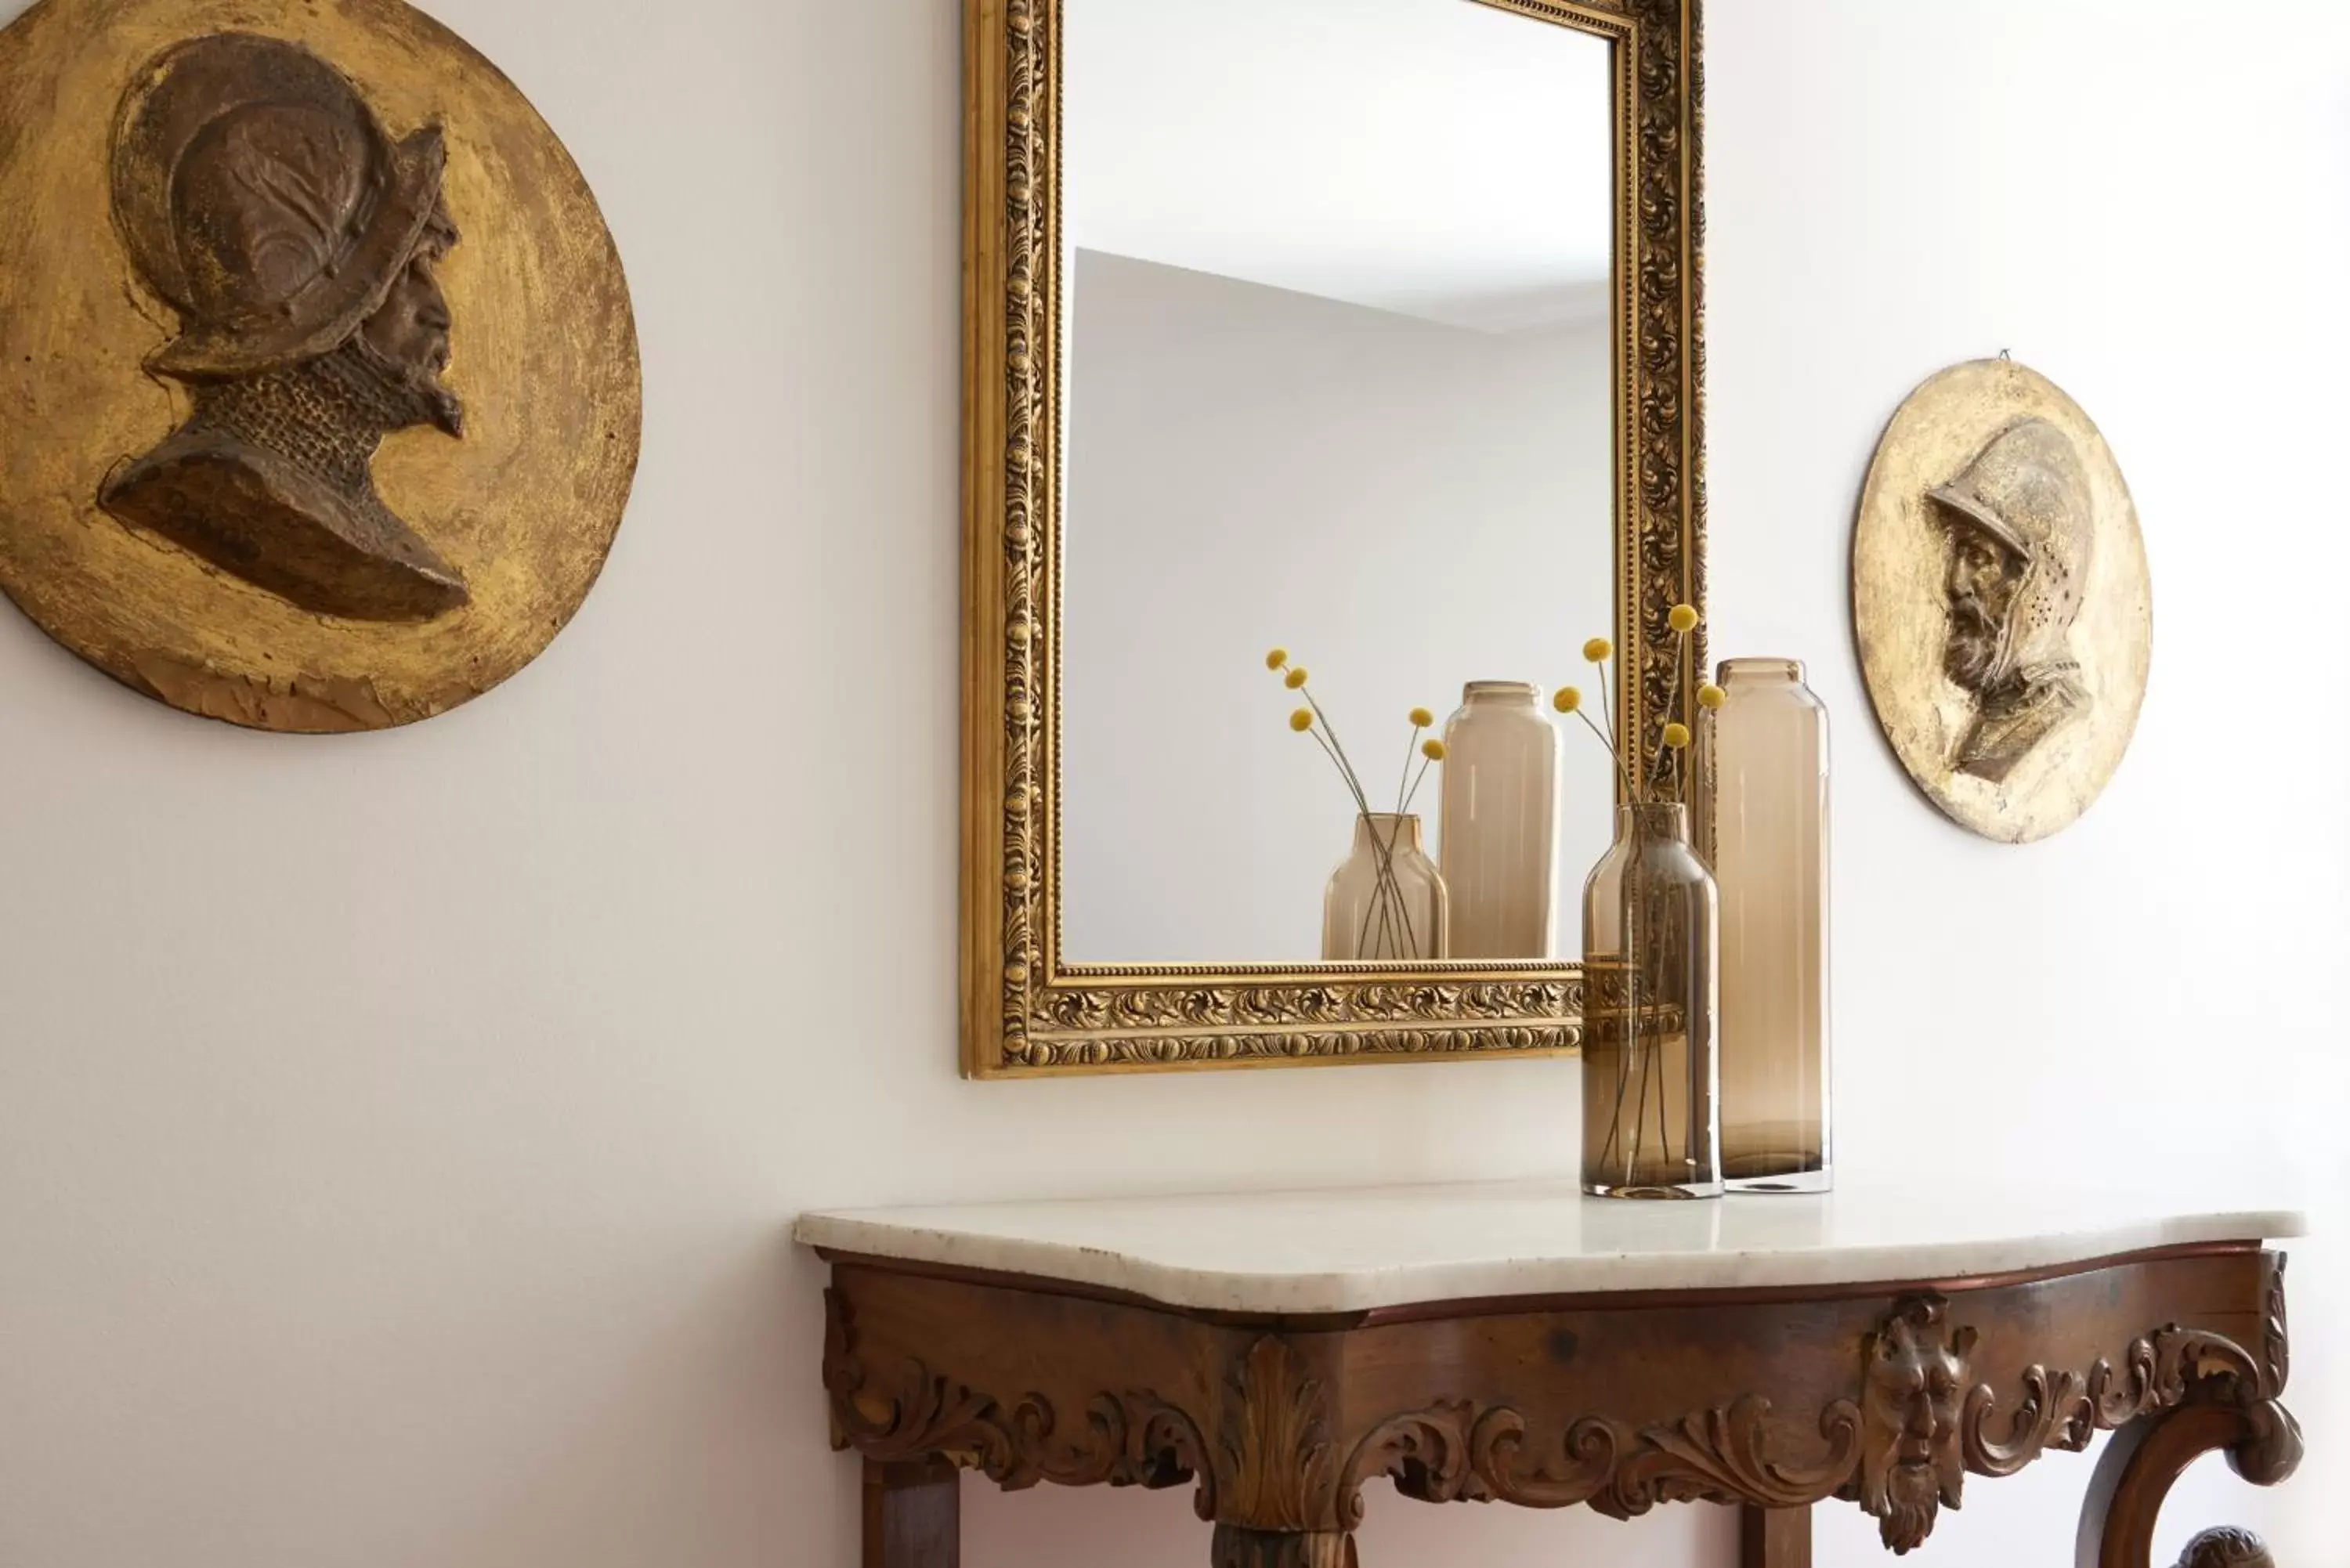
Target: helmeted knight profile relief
[260,197]
[2021,529]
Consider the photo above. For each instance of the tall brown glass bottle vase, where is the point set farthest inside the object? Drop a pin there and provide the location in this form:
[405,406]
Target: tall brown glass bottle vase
[1763,786]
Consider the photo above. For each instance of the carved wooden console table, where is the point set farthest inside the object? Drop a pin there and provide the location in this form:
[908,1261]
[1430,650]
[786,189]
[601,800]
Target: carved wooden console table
[1520,1344]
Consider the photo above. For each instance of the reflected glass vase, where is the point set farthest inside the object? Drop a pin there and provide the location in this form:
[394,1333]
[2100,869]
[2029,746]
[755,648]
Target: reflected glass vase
[1386,901]
[1651,1113]
[1501,817]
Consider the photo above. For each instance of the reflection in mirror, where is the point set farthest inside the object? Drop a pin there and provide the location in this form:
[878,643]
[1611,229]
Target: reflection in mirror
[1339,349]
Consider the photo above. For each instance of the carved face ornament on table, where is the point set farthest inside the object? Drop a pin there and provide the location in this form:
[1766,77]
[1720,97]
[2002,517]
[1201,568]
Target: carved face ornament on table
[2001,600]
[322,371]
[260,196]
[1911,1463]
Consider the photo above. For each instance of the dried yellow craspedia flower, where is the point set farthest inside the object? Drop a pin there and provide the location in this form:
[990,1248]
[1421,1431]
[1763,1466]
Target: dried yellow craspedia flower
[1294,679]
[1421,717]
[1711,696]
[1567,700]
[1598,649]
[1682,618]
[1276,659]
[1676,736]
[1433,751]
[1302,721]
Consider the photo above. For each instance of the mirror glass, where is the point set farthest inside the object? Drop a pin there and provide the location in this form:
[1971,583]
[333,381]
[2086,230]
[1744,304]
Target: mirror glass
[1340,350]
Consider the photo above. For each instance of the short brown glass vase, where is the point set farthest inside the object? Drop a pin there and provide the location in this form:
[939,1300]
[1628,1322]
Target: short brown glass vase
[1651,1118]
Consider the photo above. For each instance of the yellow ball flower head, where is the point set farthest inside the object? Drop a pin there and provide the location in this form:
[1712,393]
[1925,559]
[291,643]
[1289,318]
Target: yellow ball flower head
[1302,721]
[1421,717]
[1711,696]
[1676,735]
[1433,751]
[1598,649]
[1682,618]
[1567,700]
[1294,679]
[1276,659]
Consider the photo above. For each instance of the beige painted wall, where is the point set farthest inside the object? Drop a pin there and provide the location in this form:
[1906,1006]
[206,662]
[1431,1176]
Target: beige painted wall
[397,1133]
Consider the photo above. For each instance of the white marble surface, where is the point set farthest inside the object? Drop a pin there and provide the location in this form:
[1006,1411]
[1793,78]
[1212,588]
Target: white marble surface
[1372,1247]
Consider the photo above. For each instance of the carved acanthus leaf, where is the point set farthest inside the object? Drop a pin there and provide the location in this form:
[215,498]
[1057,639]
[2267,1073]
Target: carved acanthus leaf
[2275,1353]
[1274,1441]
[1720,1457]
[1453,1452]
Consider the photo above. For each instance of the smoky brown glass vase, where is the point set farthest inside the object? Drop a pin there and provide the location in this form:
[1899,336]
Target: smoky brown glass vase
[1651,1125]
[1762,789]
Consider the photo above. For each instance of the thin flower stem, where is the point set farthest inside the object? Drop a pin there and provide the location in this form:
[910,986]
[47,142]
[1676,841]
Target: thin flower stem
[1330,747]
[1394,884]
[1606,704]
[1672,705]
[1623,773]
[1420,779]
[1330,752]
[1346,763]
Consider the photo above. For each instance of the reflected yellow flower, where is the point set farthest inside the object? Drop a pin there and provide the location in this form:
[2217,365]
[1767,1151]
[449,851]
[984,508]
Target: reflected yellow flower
[1433,751]
[1421,717]
[1276,659]
[1676,735]
[1567,700]
[1294,679]
[1683,619]
[1711,696]
[1302,721]
[1598,649]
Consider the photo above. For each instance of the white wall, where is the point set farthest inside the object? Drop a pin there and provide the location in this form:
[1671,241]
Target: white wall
[1407,506]
[397,1133]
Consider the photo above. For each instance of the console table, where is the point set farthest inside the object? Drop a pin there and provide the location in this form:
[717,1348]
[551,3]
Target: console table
[1519,1343]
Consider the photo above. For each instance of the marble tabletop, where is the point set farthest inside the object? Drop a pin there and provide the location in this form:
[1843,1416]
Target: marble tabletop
[1358,1249]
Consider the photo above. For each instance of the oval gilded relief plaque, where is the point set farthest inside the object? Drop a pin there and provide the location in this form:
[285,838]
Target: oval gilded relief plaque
[2001,600]
[321,377]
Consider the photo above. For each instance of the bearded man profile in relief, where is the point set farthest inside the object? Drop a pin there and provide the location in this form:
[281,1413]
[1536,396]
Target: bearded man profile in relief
[2021,530]
[258,195]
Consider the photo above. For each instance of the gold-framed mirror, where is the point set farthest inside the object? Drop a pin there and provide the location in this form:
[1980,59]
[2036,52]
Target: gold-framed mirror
[1370,330]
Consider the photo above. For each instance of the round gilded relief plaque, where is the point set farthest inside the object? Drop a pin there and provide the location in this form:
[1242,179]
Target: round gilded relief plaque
[321,378]
[2001,600]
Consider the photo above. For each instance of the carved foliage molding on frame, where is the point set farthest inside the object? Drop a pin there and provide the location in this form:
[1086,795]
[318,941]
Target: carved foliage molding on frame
[1025,1012]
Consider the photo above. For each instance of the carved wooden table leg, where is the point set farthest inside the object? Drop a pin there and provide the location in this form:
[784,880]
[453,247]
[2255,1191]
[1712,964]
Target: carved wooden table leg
[1774,1537]
[913,1514]
[1237,1547]
[2147,1457]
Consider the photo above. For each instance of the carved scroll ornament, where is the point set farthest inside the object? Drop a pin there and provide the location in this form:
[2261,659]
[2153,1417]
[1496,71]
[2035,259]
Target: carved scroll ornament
[1134,1439]
[1901,1451]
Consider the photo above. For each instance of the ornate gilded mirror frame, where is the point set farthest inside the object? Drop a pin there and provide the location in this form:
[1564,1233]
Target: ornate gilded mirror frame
[1028,1011]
